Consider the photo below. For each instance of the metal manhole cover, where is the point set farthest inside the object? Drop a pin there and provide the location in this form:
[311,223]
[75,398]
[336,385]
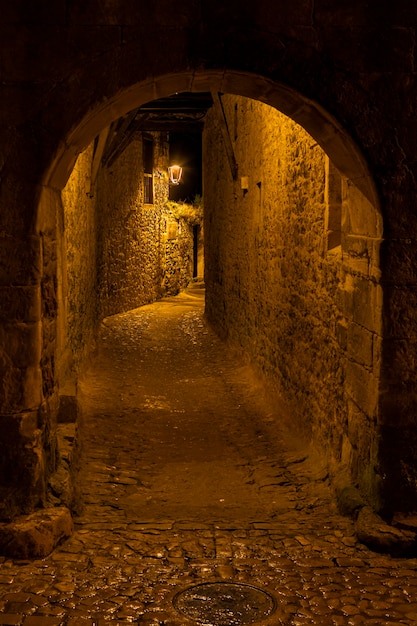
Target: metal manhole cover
[224,604]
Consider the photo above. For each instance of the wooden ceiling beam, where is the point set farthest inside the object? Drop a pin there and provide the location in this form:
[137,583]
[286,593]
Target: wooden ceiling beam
[119,138]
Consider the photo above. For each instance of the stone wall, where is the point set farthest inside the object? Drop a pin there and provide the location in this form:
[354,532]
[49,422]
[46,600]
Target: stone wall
[145,250]
[80,297]
[288,277]
[28,335]
[344,71]
[360,335]
[119,253]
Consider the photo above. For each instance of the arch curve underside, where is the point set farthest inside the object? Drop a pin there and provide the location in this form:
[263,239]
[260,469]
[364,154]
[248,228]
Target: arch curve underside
[328,133]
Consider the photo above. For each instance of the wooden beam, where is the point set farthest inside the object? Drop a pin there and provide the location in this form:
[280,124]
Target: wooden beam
[119,139]
[175,126]
[221,116]
[97,156]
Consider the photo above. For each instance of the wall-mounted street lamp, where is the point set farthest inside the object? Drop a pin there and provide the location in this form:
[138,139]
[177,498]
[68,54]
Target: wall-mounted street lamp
[175,174]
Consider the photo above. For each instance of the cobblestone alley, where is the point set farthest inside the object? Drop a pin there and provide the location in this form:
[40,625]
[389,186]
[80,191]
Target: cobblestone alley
[186,479]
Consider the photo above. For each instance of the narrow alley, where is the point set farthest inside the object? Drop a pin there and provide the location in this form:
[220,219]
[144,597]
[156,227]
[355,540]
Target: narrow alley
[197,507]
[183,428]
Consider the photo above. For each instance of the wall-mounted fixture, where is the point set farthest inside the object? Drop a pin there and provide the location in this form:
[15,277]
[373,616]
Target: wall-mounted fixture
[175,174]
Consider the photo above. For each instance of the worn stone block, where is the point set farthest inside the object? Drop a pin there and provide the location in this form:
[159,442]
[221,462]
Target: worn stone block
[20,269]
[35,535]
[359,429]
[342,334]
[349,500]
[361,254]
[21,448]
[362,302]
[22,342]
[359,217]
[363,387]
[7,619]
[20,389]
[32,388]
[69,409]
[400,307]
[48,215]
[360,344]
[42,620]
[375,533]
[21,304]
[399,262]
[28,425]
[399,363]
[361,432]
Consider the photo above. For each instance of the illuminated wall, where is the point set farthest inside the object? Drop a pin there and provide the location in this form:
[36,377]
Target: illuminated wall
[120,252]
[145,251]
[80,305]
[288,283]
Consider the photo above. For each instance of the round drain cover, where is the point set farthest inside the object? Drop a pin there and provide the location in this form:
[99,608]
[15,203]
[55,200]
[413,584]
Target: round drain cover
[224,604]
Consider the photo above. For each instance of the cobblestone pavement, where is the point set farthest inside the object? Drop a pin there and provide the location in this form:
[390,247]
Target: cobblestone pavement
[187,478]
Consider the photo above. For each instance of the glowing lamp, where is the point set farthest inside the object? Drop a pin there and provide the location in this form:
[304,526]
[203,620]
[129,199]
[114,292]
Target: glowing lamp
[175,174]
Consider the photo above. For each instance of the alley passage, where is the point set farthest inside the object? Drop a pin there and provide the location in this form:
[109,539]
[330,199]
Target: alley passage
[179,429]
[188,476]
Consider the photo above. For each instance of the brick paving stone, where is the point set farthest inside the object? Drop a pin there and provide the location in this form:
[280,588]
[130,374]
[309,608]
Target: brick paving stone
[105,622]
[10,620]
[41,620]
[192,526]
[49,611]
[19,608]
[19,597]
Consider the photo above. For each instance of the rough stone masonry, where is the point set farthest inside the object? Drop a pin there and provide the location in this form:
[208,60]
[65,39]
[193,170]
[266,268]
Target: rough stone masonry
[346,74]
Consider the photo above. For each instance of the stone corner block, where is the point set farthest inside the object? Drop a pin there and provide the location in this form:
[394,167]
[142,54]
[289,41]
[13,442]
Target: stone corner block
[69,409]
[35,535]
[349,500]
[376,534]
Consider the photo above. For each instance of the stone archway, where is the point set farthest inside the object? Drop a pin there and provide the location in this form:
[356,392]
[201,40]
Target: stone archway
[319,124]
[349,161]
[334,140]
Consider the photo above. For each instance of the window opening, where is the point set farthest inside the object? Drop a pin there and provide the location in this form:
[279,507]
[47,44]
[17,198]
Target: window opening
[148,158]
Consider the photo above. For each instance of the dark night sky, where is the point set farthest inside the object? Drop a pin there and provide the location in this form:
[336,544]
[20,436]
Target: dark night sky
[185,150]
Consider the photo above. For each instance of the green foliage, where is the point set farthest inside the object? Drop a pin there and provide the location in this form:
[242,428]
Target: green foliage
[192,214]
[198,201]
